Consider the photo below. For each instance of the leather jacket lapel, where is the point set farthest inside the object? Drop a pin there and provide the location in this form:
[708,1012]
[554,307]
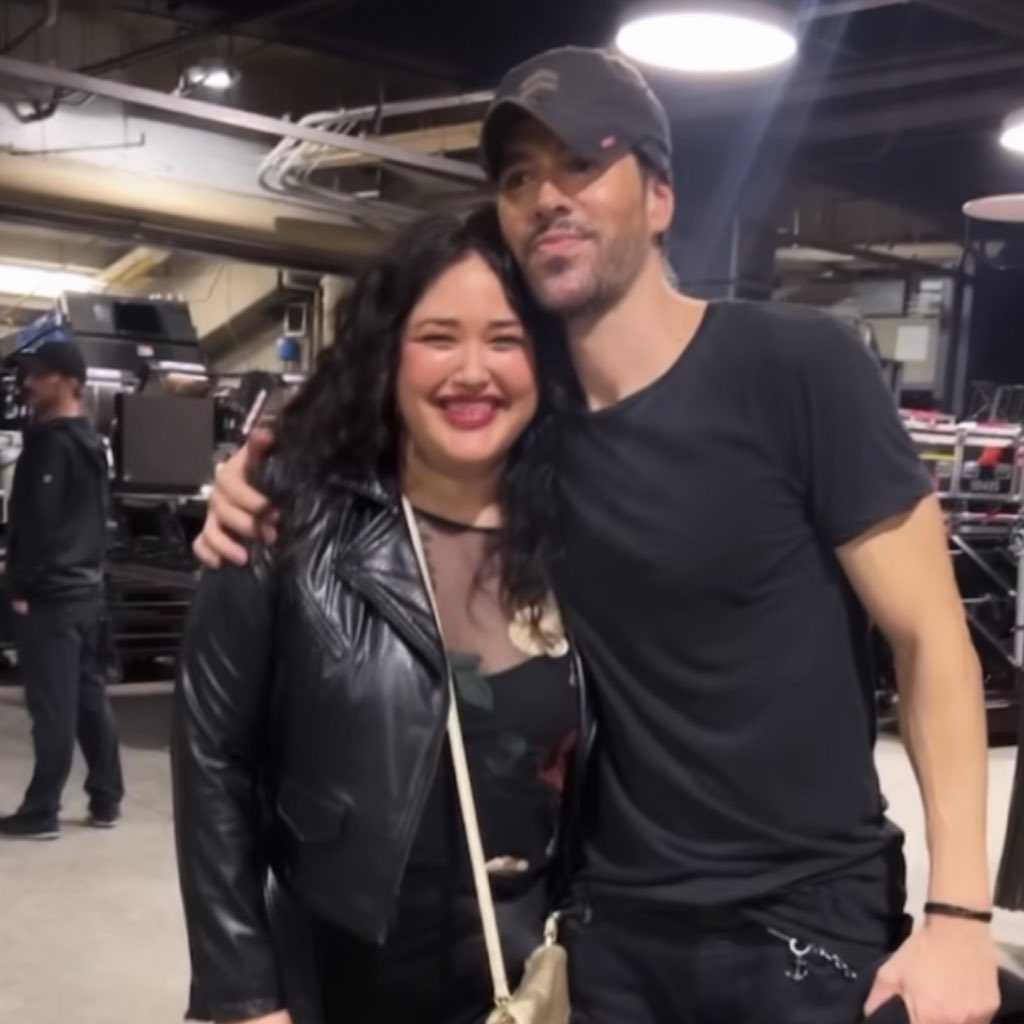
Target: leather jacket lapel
[379,563]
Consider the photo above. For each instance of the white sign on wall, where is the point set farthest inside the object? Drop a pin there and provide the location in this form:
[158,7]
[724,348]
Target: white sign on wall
[913,343]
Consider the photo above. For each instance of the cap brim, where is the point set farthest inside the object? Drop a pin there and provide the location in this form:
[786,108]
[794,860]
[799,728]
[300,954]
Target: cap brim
[506,113]
[32,365]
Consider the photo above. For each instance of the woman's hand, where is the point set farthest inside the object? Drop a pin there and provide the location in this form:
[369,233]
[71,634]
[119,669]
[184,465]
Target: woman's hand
[236,509]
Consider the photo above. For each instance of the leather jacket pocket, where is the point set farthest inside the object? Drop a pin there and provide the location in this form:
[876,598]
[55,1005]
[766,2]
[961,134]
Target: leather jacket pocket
[312,817]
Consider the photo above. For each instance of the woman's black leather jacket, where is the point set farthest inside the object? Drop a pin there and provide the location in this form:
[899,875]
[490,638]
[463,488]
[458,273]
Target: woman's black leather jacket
[309,721]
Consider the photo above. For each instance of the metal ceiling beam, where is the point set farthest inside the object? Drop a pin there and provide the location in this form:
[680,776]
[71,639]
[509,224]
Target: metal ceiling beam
[445,138]
[918,73]
[237,120]
[908,264]
[898,119]
[991,14]
[358,51]
[843,8]
[231,24]
[46,21]
[997,15]
[809,89]
[282,26]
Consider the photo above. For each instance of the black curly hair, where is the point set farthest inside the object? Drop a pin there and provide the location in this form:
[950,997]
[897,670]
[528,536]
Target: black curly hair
[346,417]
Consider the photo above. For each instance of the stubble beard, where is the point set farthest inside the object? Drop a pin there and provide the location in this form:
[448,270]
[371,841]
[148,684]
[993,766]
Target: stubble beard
[597,288]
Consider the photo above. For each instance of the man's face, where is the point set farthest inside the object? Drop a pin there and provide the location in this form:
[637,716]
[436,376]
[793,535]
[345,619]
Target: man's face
[44,392]
[581,231]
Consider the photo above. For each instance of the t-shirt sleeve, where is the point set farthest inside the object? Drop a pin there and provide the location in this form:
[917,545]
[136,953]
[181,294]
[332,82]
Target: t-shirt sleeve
[853,459]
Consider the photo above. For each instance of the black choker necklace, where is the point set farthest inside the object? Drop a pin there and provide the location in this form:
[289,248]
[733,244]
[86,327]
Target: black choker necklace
[451,524]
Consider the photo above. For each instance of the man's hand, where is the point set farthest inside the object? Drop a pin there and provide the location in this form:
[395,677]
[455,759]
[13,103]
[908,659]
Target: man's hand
[19,607]
[945,973]
[236,509]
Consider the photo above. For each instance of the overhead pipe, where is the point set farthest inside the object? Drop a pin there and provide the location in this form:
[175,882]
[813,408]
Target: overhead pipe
[119,204]
[238,120]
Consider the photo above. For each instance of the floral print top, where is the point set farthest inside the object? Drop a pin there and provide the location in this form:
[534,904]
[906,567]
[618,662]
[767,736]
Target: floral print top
[518,708]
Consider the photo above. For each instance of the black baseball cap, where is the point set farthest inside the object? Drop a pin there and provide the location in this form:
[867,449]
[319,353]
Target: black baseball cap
[56,357]
[596,102]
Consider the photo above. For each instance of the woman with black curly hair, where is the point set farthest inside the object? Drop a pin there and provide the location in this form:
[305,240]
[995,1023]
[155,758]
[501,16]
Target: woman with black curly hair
[321,852]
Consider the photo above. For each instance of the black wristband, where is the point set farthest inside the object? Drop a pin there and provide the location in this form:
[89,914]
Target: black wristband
[964,913]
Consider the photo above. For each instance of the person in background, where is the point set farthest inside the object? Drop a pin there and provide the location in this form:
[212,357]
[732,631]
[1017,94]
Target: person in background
[311,703]
[55,551]
[736,501]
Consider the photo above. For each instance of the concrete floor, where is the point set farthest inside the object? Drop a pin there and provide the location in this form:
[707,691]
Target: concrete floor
[90,926]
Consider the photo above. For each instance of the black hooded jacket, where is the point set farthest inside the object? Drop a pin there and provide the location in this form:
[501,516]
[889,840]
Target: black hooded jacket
[58,513]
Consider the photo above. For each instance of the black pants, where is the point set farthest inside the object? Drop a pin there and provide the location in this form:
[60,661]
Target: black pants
[650,968]
[62,667]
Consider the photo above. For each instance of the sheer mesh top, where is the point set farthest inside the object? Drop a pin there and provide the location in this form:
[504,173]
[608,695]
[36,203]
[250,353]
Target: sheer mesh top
[518,709]
[467,587]
[517,705]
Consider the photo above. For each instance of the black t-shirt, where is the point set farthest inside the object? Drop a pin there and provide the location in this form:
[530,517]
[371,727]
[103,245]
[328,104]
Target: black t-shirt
[727,652]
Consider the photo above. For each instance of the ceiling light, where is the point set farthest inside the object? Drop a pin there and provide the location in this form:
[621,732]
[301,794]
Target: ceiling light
[1006,209]
[43,282]
[709,38]
[210,75]
[1013,132]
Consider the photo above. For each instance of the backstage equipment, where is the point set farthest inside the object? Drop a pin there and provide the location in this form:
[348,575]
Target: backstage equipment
[118,334]
[970,462]
[167,440]
[978,472]
[163,443]
[996,403]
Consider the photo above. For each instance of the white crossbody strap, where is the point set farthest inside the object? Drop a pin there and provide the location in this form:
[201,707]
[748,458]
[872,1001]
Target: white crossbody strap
[481,881]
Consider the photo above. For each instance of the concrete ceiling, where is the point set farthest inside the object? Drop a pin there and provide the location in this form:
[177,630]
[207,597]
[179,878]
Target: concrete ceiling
[893,107]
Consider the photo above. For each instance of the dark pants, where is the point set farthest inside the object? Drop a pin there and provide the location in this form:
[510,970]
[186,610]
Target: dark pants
[649,968]
[62,667]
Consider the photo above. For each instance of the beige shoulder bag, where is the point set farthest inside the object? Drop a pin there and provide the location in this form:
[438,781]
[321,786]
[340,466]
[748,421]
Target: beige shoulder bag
[543,994]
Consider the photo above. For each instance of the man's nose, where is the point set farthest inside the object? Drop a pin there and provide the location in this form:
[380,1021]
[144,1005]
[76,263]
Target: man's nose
[550,197]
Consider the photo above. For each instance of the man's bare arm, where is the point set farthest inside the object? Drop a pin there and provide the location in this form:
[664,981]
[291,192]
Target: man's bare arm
[903,574]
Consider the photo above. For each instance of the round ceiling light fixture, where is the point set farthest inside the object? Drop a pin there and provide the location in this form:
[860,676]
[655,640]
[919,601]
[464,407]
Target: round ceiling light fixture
[709,38]
[1013,133]
[1005,209]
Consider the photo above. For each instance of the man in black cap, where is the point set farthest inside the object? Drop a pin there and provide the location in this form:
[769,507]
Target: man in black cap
[740,498]
[55,548]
